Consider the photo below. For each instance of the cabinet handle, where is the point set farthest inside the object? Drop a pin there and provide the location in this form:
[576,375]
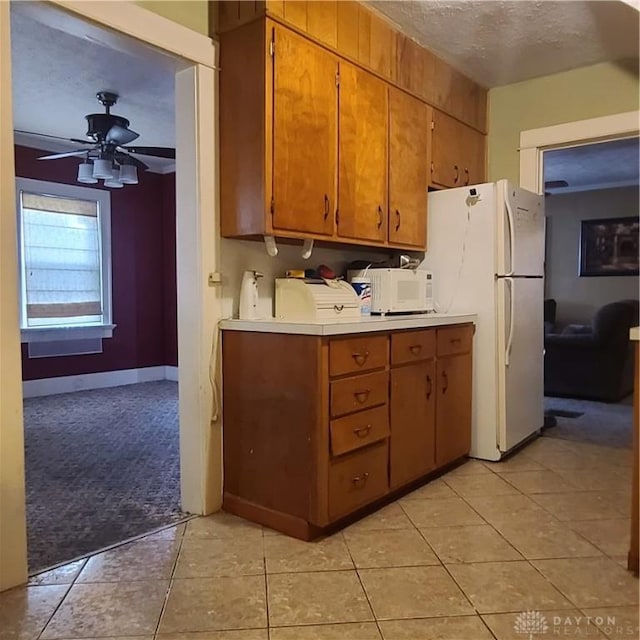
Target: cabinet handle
[415,349]
[433,168]
[380,217]
[362,432]
[360,358]
[445,378]
[466,172]
[326,206]
[362,396]
[360,480]
[457,176]
[397,220]
[338,307]
[429,386]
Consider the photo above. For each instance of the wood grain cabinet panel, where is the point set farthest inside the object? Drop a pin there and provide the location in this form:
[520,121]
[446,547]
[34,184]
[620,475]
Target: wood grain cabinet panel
[358,393]
[457,152]
[413,413]
[408,177]
[357,479]
[359,430]
[357,354]
[412,346]
[362,176]
[454,340]
[322,21]
[304,135]
[453,408]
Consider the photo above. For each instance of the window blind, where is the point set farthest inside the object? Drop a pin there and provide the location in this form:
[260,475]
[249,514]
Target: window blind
[61,245]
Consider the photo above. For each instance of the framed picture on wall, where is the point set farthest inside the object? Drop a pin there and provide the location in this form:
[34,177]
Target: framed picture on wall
[609,247]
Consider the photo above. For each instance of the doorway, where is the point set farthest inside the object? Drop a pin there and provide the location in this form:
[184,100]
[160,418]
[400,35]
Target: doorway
[196,256]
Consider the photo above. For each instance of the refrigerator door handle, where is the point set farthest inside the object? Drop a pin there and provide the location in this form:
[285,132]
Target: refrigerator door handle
[512,233]
[507,351]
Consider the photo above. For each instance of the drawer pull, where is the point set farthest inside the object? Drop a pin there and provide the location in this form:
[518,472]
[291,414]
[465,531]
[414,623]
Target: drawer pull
[445,379]
[360,358]
[415,349]
[338,307]
[362,396]
[362,432]
[360,480]
[429,386]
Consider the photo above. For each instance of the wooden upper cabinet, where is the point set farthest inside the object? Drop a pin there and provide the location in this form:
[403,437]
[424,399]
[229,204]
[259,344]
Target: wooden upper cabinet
[304,135]
[362,173]
[457,153]
[409,128]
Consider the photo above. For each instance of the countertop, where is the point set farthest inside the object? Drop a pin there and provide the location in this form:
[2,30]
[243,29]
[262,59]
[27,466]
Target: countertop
[634,333]
[363,325]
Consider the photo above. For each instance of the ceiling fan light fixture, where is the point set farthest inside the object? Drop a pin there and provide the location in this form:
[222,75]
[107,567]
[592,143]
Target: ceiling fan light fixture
[128,174]
[114,180]
[85,173]
[102,169]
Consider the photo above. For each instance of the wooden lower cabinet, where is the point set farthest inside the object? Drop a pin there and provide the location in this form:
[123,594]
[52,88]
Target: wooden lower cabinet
[453,408]
[316,429]
[413,416]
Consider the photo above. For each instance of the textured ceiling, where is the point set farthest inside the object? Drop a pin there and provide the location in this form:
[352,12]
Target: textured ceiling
[55,82]
[603,165]
[500,42]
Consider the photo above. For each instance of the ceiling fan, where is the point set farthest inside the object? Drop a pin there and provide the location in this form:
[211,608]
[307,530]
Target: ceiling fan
[108,158]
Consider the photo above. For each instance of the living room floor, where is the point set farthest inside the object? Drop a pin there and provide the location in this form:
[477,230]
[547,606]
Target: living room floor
[545,532]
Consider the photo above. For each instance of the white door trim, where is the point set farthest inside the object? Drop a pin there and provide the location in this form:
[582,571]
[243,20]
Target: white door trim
[534,141]
[197,248]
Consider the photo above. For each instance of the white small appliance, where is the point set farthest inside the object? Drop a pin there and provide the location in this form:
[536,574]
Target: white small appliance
[297,300]
[398,290]
[486,251]
[249,296]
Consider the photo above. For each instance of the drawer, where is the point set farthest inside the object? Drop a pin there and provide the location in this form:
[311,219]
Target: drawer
[412,346]
[357,479]
[360,392]
[452,340]
[359,430]
[352,355]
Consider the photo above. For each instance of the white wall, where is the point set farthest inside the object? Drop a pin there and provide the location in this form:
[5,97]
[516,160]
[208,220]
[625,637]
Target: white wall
[579,298]
[240,255]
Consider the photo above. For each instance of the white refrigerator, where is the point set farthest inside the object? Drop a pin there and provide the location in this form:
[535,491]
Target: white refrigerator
[486,251]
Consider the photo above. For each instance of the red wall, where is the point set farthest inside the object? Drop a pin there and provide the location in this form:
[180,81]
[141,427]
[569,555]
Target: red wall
[143,273]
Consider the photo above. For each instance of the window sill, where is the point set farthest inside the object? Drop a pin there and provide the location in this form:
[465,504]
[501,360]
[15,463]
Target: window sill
[50,334]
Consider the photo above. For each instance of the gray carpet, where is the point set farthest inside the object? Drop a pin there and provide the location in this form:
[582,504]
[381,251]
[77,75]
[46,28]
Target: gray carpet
[600,423]
[101,466]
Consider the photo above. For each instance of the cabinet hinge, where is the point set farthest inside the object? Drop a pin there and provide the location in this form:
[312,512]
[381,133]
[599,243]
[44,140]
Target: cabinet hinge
[337,78]
[272,207]
[272,48]
[433,125]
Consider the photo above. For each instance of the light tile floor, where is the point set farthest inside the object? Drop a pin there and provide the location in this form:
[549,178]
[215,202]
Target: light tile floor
[458,559]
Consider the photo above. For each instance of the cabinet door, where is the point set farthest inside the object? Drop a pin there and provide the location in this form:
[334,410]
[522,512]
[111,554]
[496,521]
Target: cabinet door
[472,156]
[445,151]
[362,176]
[413,392]
[408,178]
[304,135]
[453,408]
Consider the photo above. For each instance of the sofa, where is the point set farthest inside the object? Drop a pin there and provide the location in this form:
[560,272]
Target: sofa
[593,362]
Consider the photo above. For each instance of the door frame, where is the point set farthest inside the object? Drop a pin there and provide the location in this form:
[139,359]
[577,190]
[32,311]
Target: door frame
[197,256]
[534,142]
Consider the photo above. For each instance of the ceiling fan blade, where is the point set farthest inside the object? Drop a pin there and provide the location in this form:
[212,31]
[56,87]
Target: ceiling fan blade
[68,154]
[119,135]
[125,158]
[158,152]
[46,135]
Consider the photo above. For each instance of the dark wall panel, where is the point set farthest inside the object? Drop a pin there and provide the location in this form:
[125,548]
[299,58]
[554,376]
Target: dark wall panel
[143,273]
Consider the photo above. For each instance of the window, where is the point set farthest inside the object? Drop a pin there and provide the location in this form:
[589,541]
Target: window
[65,261]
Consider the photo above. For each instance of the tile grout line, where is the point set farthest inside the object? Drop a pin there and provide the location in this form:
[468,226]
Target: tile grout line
[171,579]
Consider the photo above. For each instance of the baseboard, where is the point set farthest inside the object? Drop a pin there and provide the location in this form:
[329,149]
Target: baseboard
[100,380]
[171,373]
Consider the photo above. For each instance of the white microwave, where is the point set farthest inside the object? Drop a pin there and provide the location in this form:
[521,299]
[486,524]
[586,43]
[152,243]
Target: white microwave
[398,290]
